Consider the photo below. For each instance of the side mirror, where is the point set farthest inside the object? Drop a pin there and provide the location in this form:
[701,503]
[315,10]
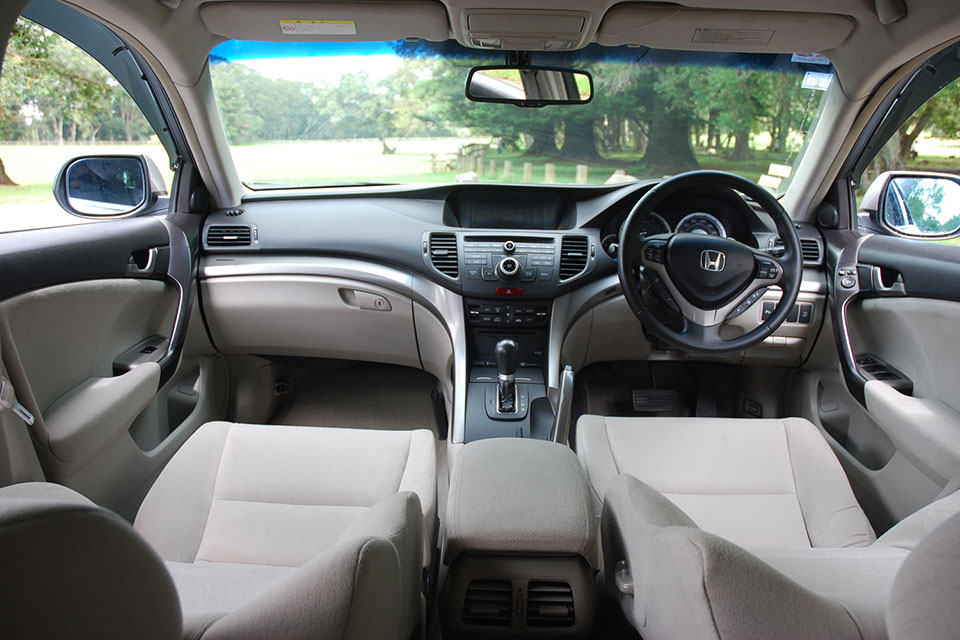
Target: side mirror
[529,86]
[108,186]
[915,204]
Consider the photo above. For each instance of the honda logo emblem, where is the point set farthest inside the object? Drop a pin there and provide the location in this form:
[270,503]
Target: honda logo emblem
[712,260]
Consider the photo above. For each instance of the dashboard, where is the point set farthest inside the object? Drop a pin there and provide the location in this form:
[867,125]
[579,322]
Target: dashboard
[433,277]
[560,236]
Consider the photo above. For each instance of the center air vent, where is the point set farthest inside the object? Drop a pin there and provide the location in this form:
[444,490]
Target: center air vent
[443,253]
[487,603]
[550,604]
[573,256]
[228,236]
[810,248]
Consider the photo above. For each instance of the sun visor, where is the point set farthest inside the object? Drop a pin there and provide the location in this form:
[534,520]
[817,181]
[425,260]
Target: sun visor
[313,21]
[665,26]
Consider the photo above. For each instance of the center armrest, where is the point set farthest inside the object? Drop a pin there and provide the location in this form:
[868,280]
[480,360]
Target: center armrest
[519,496]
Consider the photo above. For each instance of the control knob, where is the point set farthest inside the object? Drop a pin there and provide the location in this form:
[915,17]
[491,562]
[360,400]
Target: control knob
[508,268]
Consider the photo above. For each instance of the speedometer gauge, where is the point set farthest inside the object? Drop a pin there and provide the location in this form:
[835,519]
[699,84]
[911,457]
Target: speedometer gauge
[703,223]
[652,225]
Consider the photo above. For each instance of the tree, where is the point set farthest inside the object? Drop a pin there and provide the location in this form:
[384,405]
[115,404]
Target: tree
[664,97]
[27,48]
[735,96]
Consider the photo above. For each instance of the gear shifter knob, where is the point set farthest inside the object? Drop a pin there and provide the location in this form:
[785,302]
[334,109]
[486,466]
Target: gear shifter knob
[506,355]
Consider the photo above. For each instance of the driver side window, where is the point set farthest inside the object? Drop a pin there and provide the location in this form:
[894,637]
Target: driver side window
[920,206]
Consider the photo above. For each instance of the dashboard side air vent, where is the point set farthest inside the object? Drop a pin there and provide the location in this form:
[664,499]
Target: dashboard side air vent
[443,254]
[573,256]
[487,602]
[550,604]
[810,248]
[225,235]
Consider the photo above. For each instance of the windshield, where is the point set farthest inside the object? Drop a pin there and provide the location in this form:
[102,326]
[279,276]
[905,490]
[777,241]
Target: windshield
[301,114]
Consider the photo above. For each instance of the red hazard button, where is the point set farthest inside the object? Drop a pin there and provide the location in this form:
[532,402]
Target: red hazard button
[511,291]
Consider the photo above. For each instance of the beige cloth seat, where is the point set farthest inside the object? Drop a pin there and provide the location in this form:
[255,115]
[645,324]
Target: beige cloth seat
[757,483]
[675,580]
[721,528]
[274,531]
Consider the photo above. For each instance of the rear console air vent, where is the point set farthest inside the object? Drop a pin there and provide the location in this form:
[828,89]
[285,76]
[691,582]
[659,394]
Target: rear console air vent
[487,602]
[810,248]
[443,254]
[222,235]
[573,256]
[550,604]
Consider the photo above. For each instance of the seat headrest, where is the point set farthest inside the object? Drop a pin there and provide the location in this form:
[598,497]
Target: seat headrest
[72,568]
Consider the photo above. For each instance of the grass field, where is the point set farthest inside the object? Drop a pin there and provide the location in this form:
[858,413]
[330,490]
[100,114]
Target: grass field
[34,167]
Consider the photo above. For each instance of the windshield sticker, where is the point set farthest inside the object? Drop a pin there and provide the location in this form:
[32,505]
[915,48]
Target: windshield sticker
[809,58]
[770,182]
[817,81]
[781,170]
[318,27]
[759,37]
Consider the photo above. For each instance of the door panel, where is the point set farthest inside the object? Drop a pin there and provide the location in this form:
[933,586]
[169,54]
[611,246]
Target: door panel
[102,431]
[892,413]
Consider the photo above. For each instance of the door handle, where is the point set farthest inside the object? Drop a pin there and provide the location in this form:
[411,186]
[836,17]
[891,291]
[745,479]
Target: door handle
[142,262]
[881,289]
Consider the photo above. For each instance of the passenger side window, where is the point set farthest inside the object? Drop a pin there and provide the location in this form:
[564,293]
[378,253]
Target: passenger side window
[921,206]
[57,103]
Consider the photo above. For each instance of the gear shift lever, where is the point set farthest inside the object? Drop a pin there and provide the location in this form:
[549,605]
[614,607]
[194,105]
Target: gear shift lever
[506,355]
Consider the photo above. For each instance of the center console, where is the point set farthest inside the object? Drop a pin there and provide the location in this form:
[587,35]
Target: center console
[519,548]
[508,283]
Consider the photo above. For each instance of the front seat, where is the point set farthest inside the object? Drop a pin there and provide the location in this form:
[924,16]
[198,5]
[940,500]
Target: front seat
[267,531]
[675,580]
[757,483]
[740,529]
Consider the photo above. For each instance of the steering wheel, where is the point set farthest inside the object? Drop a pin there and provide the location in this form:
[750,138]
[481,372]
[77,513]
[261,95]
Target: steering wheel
[700,281]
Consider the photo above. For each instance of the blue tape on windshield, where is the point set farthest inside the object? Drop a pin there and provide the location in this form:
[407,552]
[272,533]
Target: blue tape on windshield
[233,50]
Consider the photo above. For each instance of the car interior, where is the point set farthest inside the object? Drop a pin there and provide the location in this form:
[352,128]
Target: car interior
[689,405]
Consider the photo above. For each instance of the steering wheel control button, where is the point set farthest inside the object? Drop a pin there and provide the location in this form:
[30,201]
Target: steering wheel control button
[663,293]
[654,252]
[767,269]
[848,282]
[746,304]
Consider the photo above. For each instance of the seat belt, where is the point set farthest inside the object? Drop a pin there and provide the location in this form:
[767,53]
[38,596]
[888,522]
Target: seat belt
[8,401]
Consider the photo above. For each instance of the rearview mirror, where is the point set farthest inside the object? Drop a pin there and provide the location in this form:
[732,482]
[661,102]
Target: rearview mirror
[915,204]
[529,86]
[108,186]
